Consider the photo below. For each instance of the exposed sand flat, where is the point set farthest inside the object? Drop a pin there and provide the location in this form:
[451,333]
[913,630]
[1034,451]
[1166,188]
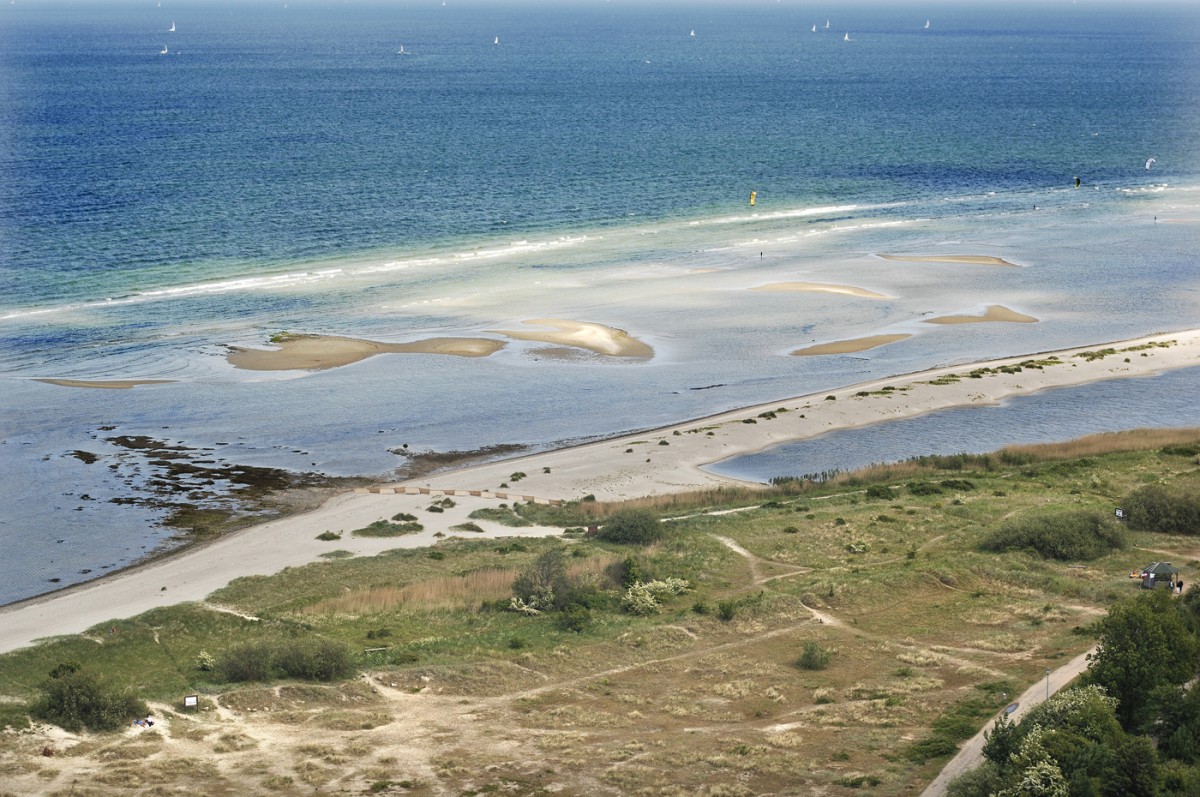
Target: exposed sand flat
[975,260]
[621,468]
[106,384]
[849,346]
[994,312]
[320,352]
[820,287]
[583,335]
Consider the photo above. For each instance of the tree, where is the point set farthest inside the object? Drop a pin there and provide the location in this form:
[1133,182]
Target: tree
[75,698]
[1134,769]
[1144,644]
[1000,742]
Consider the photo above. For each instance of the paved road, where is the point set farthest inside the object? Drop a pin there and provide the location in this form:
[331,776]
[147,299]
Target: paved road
[970,755]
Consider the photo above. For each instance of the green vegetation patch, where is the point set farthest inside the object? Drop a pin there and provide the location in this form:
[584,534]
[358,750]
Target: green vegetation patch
[385,528]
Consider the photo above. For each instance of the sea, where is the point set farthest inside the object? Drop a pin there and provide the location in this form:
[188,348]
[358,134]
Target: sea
[180,177]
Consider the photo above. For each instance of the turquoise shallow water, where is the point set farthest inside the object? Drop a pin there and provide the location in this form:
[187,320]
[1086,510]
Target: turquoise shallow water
[287,169]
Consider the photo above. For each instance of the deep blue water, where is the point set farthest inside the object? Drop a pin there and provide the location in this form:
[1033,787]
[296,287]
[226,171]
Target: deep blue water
[283,167]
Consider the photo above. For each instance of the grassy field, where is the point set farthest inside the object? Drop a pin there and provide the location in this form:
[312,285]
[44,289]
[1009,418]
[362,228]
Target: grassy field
[927,637]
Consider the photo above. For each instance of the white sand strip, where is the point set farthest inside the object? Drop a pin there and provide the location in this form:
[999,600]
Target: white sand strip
[603,469]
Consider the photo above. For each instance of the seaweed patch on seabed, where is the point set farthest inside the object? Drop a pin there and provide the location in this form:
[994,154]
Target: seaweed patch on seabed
[426,463]
[204,495]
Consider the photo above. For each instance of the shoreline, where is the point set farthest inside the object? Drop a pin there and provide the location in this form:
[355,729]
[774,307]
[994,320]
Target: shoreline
[662,460]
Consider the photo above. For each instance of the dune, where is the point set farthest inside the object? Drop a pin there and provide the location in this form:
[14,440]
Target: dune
[583,335]
[321,352]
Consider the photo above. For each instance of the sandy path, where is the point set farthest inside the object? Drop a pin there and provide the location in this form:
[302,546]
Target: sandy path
[970,755]
[652,463]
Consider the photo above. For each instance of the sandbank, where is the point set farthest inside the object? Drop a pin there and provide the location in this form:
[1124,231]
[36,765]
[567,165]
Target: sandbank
[975,260]
[105,384]
[849,346]
[820,287]
[321,352]
[654,462]
[583,335]
[994,312]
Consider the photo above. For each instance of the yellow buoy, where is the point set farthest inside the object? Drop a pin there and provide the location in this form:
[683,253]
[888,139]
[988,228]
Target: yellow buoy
[753,197]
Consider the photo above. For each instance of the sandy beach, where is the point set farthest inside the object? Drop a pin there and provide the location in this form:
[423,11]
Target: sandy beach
[104,384]
[655,462]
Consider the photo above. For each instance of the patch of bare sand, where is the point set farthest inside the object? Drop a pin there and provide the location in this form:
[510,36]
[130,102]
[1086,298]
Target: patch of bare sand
[821,287]
[105,384]
[974,260]
[584,335]
[849,346]
[321,352]
[994,312]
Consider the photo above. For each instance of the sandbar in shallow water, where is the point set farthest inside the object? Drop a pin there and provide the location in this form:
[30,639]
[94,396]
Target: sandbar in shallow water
[821,287]
[584,335]
[849,346]
[321,352]
[974,260]
[994,312]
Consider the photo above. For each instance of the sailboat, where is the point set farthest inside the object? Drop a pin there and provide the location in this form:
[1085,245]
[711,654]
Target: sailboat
[401,51]
[172,28]
[693,33]
[846,38]
[814,28]
[163,51]
[826,24]
[496,40]
[926,24]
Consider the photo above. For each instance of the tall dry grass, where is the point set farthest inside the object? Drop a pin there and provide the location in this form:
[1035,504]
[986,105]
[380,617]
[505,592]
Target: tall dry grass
[1109,443]
[443,592]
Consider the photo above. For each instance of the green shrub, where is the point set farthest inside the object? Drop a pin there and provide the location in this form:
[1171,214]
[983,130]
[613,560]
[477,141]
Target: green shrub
[923,488]
[879,491]
[262,660]
[632,527]
[75,698]
[246,661]
[329,536]
[1158,508]
[726,609]
[501,514]
[1064,534]
[814,657]
[962,485]
[383,528]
